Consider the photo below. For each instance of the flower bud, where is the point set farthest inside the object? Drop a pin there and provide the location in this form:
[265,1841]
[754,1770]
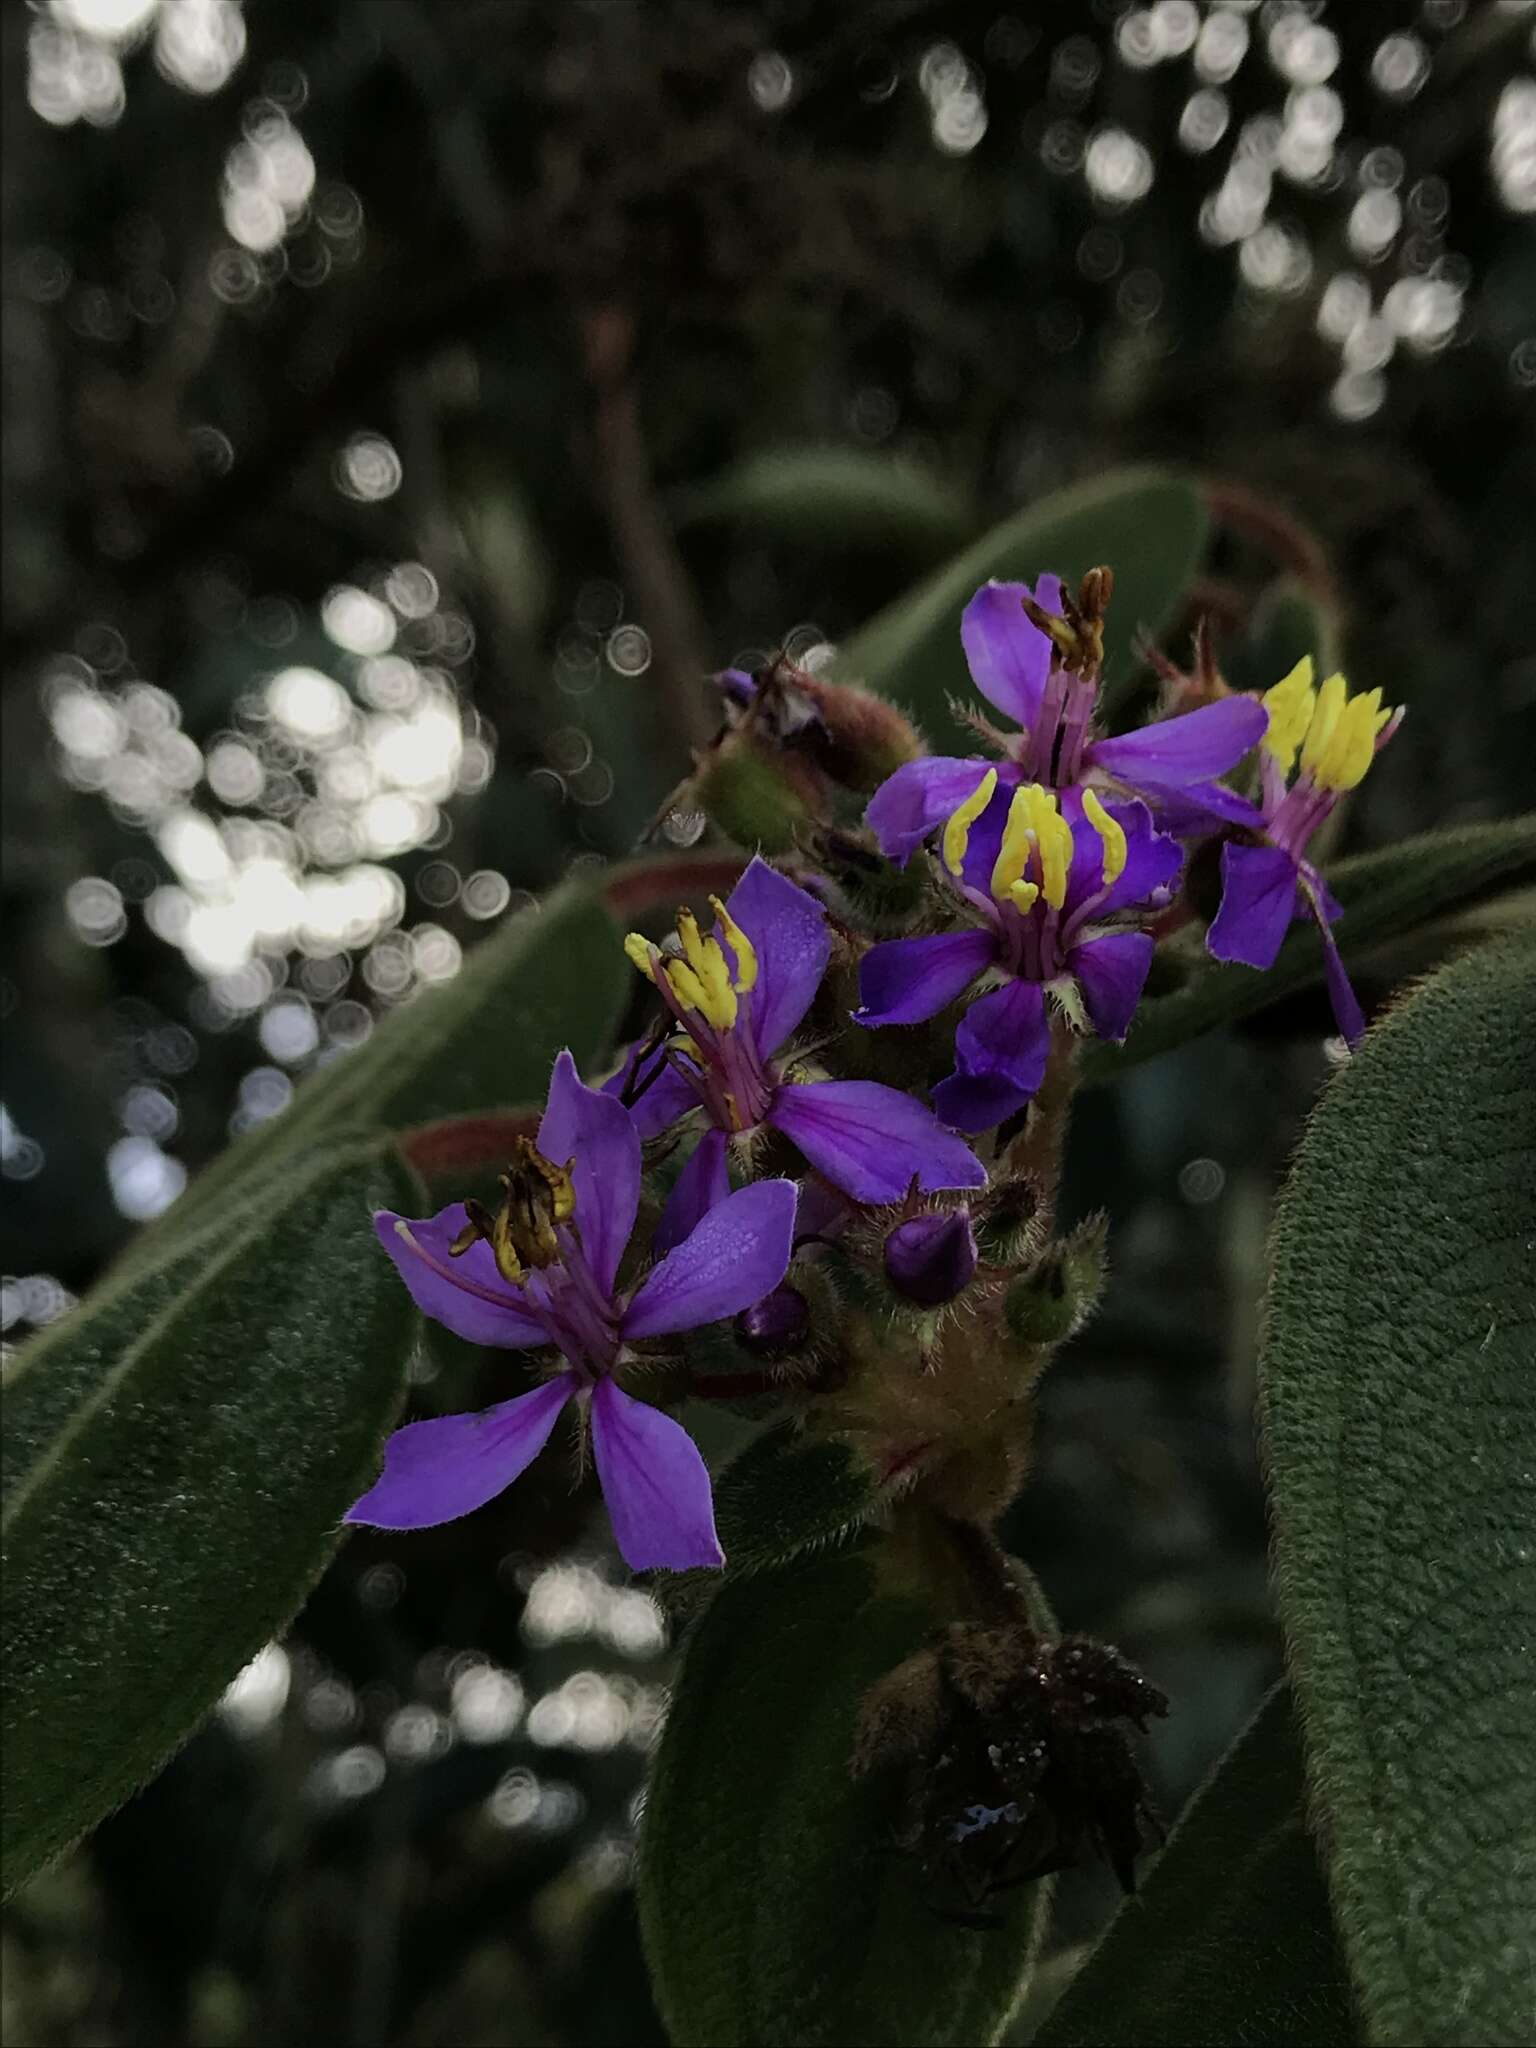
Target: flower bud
[930,1259]
[1045,1305]
[757,794]
[775,1327]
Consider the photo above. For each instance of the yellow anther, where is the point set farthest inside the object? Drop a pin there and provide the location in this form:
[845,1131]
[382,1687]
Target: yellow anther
[1035,831]
[1341,742]
[537,1197]
[641,953]
[1018,843]
[957,833]
[1053,844]
[1022,895]
[694,944]
[1330,704]
[740,945]
[1290,705]
[1112,834]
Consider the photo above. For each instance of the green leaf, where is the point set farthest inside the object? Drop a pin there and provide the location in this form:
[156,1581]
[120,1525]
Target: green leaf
[555,975]
[832,497]
[774,1911]
[178,1454]
[788,1492]
[1399,1404]
[1229,1940]
[1385,895]
[1148,526]
[1289,621]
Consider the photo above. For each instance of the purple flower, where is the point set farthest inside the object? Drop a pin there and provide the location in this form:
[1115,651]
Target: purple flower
[1053,881]
[1266,878]
[543,1271]
[1020,670]
[735,998]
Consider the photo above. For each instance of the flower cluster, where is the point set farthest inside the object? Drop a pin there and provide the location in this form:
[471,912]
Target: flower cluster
[839,1132]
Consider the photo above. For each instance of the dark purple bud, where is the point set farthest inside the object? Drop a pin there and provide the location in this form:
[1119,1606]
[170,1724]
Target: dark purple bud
[775,1326]
[930,1259]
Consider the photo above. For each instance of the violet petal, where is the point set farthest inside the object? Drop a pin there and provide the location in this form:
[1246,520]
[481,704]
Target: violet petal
[731,1258]
[978,1102]
[594,1130]
[871,1140]
[1347,1013]
[437,1470]
[1005,1033]
[663,1095]
[704,1181]
[905,981]
[788,930]
[1192,747]
[655,1483]
[466,1294]
[1009,658]
[1112,972]
[1258,901]
[917,799]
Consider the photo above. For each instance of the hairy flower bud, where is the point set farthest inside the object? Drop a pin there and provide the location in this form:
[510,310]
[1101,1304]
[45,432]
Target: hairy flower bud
[757,794]
[775,1327]
[1045,1305]
[930,1259]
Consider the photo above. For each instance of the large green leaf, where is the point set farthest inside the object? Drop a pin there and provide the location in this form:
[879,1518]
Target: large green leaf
[555,975]
[1229,1943]
[1288,621]
[178,1454]
[1385,895]
[832,496]
[1399,1404]
[774,1910]
[788,1492]
[1148,526]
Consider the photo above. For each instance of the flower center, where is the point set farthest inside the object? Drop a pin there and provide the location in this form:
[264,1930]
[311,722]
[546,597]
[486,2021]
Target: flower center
[538,1197]
[707,983]
[1027,888]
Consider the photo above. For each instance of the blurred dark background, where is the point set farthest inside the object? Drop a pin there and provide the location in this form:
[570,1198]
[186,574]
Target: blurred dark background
[406,407]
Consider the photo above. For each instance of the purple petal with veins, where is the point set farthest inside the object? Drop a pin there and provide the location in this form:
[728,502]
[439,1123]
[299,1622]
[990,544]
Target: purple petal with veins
[1006,1034]
[906,981]
[917,799]
[732,1257]
[655,1483]
[1192,747]
[1112,972]
[437,1470]
[704,1182]
[871,1140]
[1009,658]
[1258,901]
[788,930]
[592,1130]
[466,1294]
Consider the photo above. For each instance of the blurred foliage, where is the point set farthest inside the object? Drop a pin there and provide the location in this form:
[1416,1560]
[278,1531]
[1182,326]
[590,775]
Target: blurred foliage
[451,361]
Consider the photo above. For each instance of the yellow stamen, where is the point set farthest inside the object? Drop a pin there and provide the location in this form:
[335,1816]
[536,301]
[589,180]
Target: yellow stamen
[1330,702]
[957,833]
[710,971]
[642,954]
[1341,741]
[1054,849]
[1035,830]
[1112,834]
[1290,705]
[740,945]
[1022,895]
[538,1196]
